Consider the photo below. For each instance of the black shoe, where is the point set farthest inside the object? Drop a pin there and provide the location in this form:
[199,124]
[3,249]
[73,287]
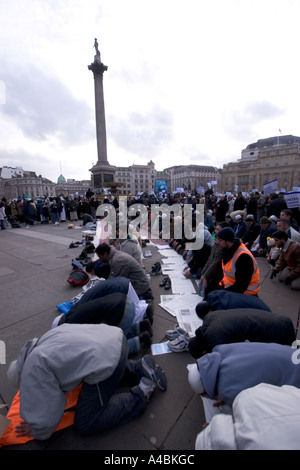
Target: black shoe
[156,269]
[168,284]
[74,245]
[149,314]
[145,325]
[85,261]
[82,255]
[157,264]
[163,282]
[148,296]
[145,339]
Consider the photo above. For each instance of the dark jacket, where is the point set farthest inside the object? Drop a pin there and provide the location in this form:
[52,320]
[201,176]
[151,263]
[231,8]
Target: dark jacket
[224,300]
[252,207]
[241,324]
[110,309]
[240,229]
[251,234]
[264,234]
[276,206]
[101,289]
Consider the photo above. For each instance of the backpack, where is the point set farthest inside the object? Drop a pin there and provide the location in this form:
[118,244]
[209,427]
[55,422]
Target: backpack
[78,277]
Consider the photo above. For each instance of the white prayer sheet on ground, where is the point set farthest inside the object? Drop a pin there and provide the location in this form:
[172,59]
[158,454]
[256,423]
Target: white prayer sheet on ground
[172,254]
[164,300]
[174,302]
[188,320]
[182,286]
[176,274]
[173,261]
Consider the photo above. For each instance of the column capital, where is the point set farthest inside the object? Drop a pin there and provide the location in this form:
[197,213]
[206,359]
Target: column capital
[97,68]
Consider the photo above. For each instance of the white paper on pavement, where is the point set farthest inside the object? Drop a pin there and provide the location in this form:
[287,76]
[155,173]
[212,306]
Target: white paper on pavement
[188,320]
[182,286]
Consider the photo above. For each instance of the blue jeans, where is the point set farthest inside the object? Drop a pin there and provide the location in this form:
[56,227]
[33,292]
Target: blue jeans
[54,217]
[131,330]
[99,409]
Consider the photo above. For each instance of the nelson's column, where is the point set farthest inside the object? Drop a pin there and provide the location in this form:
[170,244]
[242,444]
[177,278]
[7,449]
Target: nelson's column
[103,172]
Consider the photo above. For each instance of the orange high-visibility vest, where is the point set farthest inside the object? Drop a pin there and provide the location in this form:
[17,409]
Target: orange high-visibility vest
[229,271]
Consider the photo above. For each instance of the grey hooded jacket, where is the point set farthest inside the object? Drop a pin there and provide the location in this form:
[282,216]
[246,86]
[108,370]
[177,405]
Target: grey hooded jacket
[57,363]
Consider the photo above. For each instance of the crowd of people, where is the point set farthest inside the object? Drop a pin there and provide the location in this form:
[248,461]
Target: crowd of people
[242,348]
[239,332]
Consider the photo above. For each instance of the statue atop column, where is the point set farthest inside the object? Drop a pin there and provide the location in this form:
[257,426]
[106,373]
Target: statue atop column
[96,46]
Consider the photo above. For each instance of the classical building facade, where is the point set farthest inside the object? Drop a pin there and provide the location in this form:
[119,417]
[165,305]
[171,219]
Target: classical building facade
[191,177]
[71,187]
[274,158]
[15,183]
[136,178]
[26,183]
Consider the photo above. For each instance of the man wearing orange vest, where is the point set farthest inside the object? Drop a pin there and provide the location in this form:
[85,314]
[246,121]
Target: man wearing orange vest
[240,270]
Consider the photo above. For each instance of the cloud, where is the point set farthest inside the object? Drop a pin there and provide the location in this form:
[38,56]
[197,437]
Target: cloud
[242,123]
[43,107]
[19,157]
[144,134]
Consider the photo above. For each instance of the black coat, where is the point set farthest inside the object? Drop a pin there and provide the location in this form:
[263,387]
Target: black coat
[110,309]
[241,324]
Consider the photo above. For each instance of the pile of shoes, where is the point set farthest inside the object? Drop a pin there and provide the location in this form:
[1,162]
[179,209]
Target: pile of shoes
[178,339]
[74,244]
[156,269]
[166,283]
[83,257]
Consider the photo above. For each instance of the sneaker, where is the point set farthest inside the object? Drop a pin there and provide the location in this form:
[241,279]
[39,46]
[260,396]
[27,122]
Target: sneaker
[173,334]
[147,387]
[154,372]
[179,344]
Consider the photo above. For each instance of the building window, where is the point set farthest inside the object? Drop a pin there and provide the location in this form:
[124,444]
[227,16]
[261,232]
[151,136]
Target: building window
[267,162]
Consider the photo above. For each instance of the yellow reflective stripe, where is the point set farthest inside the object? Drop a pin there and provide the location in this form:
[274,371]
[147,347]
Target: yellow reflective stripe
[253,287]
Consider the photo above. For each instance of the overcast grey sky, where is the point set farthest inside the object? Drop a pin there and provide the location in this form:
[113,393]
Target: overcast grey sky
[191,81]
